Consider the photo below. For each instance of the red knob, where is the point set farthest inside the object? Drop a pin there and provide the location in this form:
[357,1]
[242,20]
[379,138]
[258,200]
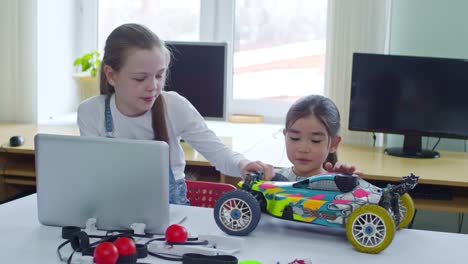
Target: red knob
[106,253]
[125,246]
[176,234]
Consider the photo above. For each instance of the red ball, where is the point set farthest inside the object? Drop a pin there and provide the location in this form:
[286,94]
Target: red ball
[176,234]
[106,253]
[125,246]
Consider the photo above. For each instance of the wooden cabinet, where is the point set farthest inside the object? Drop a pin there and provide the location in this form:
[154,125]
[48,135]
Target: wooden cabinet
[17,176]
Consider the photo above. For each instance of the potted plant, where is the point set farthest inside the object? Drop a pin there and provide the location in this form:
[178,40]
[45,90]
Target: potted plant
[88,79]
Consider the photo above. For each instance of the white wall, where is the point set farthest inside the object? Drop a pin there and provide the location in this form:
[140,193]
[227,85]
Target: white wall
[430,28]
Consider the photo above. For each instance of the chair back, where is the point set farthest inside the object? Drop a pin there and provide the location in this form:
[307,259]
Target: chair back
[205,194]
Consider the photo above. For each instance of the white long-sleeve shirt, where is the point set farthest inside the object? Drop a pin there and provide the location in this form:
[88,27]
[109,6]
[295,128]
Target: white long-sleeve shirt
[182,120]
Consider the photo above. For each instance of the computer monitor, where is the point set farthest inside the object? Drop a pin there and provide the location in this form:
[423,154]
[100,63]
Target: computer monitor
[409,95]
[198,72]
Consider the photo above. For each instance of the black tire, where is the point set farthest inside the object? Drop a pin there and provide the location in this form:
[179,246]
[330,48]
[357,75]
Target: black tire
[288,213]
[261,201]
[237,213]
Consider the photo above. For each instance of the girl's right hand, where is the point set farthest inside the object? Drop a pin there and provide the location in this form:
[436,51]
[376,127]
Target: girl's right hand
[342,168]
[247,166]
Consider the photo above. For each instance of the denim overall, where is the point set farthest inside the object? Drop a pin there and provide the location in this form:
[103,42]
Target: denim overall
[177,188]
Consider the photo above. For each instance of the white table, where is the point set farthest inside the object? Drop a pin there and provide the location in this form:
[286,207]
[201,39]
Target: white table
[25,240]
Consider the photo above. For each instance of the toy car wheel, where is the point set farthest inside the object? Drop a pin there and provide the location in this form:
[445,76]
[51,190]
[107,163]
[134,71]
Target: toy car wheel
[370,228]
[261,201]
[237,212]
[406,210]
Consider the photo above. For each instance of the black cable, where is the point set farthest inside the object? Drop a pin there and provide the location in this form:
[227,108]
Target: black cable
[60,247]
[71,256]
[191,241]
[129,232]
[374,137]
[200,243]
[437,143]
[163,256]
[154,239]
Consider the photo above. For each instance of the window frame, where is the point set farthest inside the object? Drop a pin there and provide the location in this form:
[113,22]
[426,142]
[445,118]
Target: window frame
[88,21]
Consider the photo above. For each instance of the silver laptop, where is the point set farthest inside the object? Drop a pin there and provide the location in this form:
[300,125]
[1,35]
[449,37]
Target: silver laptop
[116,181]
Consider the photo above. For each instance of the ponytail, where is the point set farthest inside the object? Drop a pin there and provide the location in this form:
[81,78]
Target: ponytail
[158,115]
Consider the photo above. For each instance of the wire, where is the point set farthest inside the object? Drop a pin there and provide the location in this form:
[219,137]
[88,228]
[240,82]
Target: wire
[437,143]
[275,136]
[282,154]
[191,241]
[252,147]
[278,134]
[374,137]
[164,256]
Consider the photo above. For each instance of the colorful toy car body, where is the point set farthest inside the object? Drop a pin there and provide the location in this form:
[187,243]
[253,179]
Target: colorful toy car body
[369,214]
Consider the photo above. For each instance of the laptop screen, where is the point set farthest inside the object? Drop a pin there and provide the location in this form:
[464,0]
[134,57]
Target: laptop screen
[116,181]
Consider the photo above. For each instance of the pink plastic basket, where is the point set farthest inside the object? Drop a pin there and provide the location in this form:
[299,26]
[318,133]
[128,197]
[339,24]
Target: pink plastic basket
[205,194]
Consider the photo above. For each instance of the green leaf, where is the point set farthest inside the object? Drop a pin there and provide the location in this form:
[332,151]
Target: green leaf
[85,66]
[87,56]
[77,62]
[89,61]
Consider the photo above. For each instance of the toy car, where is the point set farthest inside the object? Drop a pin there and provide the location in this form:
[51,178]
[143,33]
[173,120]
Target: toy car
[369,214]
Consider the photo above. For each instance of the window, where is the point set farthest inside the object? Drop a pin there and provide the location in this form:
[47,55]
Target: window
[183,16]
[279,49]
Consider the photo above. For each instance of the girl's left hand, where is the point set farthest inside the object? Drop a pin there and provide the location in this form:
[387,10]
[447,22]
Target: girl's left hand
[256,166]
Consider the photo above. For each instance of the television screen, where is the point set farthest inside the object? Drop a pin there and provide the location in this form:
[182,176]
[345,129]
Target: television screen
[198,72]
[413,96]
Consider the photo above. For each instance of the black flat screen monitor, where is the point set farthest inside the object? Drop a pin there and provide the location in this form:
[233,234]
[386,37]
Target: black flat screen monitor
[413,96]
[198,72]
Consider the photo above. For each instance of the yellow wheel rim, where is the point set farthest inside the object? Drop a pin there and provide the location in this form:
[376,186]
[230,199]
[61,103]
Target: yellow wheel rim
[370,228]
[406,210]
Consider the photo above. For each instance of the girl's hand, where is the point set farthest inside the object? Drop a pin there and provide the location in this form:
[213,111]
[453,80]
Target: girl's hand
[342,168]
[256,166]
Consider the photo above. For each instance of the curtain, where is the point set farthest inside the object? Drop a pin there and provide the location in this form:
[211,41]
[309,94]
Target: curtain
[18,49]
[353,26]
[9,57]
